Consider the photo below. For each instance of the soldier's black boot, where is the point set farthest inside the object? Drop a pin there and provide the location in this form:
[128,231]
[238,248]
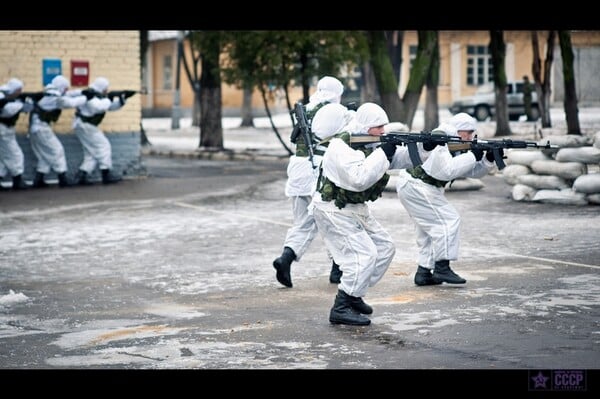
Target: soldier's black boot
[342,311]
[360,306]
[335,276]
[424,276]
[83,179]
[63,180]
[109,178]
[19,183]
[38,180]
[443,273]
[283,265]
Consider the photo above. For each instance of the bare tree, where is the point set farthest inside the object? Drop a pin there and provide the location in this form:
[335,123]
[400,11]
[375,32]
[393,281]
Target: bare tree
[211,128]
[542,77]
[497,49]
[432,119]
[570,101]
[247,117]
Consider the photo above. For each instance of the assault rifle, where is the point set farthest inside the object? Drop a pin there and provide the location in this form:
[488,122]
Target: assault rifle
[301,128]
[496,146]
[125,93]
[409,139]
[34,96]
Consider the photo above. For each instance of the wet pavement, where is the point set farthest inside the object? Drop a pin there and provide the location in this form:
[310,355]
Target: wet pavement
[174,271]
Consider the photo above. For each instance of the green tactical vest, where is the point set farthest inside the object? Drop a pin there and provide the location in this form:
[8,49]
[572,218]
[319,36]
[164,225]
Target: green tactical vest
[419,173]
[329,191]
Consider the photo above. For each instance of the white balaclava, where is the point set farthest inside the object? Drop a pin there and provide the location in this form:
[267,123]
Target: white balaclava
[12,85]
[329,89]
[329,120]
[446,128]
[464,121]
[100,85]
[60,83]
[367,116]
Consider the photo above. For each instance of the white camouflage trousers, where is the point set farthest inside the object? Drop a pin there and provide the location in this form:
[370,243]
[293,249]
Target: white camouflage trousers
[11,155]
[437,222]
[358,243]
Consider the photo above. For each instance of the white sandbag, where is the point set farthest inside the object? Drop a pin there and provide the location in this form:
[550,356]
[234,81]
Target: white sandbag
[597,140]
[511,172]
[587,184]
[568,140]
[395,127]
[524,157]
[521,192]
[465,184]
[565,196]
[593,199]
[586,154]
[540,182]
[566,170]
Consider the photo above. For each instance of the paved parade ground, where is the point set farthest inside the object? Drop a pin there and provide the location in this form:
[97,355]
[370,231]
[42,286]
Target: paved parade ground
[174,271]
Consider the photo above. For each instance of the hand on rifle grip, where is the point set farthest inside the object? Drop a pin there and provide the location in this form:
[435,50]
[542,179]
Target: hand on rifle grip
[389,149]
[478,152]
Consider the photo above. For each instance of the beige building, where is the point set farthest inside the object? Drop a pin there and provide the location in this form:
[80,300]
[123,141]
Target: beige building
[464,65]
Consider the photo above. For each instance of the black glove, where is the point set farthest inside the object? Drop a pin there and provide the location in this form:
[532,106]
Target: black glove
[122,98]
[489,155]
[429,145]
[389,149]
[478,152]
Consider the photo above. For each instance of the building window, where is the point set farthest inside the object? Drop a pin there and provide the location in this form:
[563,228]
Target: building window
[479,65]
[167,73]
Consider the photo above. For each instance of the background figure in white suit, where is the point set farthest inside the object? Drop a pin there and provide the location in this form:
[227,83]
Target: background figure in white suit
[11,155]
[92,104]
[301,182]
[47,148]
[421,191]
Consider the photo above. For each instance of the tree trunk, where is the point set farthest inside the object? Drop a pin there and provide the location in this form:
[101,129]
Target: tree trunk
[432,119]
[384,75]
[419,74]
[247,118]
[394,46]
[211,128]
[542,84]
[497,49]
[570,102]
[369,88]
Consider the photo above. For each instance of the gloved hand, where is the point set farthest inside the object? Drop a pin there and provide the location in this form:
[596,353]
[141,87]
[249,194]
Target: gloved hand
[478,152]
[122,98]
[489,155]
[389,149]
[431,144]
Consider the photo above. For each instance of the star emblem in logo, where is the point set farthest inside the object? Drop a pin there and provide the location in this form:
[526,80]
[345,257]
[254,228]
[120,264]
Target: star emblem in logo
[540,380]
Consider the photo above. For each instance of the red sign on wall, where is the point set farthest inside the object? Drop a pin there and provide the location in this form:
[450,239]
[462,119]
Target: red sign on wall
[80,73]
